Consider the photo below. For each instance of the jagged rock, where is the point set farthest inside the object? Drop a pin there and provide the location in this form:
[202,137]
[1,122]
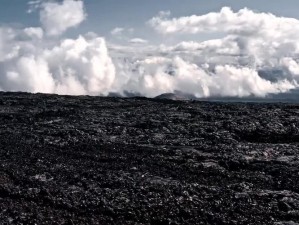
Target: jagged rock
[97,160]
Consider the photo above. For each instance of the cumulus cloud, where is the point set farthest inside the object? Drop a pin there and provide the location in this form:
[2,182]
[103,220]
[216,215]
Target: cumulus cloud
[262,35]
[257,55]
[258,42]
[244,22]
[157,75]
[57,17]
[73,66]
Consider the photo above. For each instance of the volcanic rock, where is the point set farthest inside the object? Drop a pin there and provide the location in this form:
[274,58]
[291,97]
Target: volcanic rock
[109,160]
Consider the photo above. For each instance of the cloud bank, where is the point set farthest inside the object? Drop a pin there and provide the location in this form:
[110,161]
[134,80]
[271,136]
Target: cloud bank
[30,62]
[257,55]
[79,66]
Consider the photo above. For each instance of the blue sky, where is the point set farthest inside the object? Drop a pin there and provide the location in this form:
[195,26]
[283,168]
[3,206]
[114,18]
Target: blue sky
[104,15]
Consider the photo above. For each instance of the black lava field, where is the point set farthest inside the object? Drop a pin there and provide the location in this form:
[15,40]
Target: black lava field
[104,160]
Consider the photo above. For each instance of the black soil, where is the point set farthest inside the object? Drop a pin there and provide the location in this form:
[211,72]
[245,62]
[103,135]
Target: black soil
[93,160]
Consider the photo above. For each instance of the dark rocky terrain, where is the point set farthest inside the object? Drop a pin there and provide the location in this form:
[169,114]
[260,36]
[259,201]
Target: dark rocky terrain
[92,160]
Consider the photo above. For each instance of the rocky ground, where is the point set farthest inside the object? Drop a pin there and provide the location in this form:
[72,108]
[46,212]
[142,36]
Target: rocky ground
[92,160]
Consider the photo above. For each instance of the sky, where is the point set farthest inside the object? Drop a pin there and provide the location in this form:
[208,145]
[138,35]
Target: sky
[96,47]
[105,15]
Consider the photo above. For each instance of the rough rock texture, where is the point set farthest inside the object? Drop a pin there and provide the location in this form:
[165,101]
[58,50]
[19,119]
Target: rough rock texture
[92,160]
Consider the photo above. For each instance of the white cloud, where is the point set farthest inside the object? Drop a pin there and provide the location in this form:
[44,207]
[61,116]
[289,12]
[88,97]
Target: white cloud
[244,22]
[117,31]
[263,36]
[83,62]
[228,66]
[225,46]
[83,66]
[121,32]
[34,32]
[33,5]
[291,65]
[164,14]
[138,41]
[74,66]
[157,75]
[56,17]
[258,41]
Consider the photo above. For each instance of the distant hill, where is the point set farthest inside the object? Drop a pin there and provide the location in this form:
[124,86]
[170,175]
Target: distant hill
[291,96]
[176,96]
